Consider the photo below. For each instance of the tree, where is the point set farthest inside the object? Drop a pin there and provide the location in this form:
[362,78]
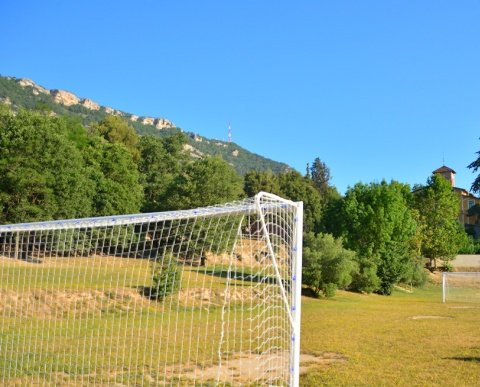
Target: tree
[117,181]
[438,209]
[291,185]
[204,182]
[116,130]
[296,187]
[161,160]
[333,219]
[327,266]
[379,226]
[76,132]
[255,181]
[320,176]
[42,174]
[475,166]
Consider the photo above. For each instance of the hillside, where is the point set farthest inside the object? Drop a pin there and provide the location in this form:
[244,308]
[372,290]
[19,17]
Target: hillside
[24,93]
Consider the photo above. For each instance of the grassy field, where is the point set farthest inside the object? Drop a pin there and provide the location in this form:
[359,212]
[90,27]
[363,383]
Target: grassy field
[402,340]
[81,321]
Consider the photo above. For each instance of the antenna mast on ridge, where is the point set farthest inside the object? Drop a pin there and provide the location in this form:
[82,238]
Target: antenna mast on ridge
[229,132]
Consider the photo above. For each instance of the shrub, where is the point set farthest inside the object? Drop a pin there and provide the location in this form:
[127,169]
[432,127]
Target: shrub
[366,279]
[327,266]
[166,277]
[447,266]
[415,274]
[329,290]
[470,246]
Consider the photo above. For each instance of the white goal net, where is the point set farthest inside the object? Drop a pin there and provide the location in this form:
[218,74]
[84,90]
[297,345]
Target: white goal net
[209,296]
[462,287]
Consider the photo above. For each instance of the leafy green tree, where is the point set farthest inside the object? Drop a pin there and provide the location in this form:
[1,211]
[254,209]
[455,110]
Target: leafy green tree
[327,266]
[255,181]
[116,178]
[204,182]
[42,173]
[291,185]
[415,274]
[379,226]
[116,130]
[295,187]
[438,209]
[332,219]
[161,160]
[76,132]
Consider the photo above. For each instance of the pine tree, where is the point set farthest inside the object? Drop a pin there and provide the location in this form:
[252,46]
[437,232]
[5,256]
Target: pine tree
[475,166]
[320,176]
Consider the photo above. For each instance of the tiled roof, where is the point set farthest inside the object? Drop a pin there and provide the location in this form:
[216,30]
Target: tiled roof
[444,169]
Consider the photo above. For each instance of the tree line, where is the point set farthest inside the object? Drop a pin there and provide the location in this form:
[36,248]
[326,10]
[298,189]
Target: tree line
[373,237]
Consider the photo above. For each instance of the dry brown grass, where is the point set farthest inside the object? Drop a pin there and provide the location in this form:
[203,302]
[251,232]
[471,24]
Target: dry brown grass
[384,344]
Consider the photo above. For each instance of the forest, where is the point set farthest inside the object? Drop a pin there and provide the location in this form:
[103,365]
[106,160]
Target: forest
[370,239]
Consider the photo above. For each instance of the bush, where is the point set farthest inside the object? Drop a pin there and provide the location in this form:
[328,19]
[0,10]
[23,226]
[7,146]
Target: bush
[366,279]
[327,266]
[447,266]
[415,274]
[329,290]
[166,277]
[470,246]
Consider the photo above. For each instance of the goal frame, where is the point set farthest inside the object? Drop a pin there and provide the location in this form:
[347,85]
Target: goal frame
[293,305]
[455,274]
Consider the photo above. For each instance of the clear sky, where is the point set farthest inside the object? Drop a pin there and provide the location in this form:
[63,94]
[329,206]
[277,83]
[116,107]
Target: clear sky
[376,89]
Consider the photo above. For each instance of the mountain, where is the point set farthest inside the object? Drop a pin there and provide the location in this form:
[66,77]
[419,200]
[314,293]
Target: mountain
[25,93]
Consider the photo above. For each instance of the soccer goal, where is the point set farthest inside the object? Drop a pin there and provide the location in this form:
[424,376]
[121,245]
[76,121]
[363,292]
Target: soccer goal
[208,296]
[461,287]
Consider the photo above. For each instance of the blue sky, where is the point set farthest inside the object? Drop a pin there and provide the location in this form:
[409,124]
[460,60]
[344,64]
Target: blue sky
[376,89]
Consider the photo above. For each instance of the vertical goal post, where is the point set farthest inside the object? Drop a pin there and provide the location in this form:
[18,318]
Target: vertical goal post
[194,297]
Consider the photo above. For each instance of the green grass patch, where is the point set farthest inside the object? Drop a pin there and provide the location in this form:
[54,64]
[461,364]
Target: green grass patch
[404,339]
[81,321]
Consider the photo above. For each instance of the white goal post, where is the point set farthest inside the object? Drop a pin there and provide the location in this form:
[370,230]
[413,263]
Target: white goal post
[462,287]
[207,296]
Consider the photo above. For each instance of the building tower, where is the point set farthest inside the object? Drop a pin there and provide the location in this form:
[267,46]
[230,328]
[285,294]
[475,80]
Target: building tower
[447,173]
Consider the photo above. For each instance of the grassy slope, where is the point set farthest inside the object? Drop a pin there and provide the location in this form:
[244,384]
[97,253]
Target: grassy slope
[385,346]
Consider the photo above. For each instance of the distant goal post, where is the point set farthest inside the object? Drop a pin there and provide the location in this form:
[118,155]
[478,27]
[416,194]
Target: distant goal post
[194,297]
[461,287]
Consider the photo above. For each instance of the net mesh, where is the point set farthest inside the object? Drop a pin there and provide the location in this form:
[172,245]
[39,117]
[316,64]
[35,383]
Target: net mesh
[194,297]
[461,287]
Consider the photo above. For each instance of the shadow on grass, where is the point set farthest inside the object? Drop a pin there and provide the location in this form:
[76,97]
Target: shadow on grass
[470,359]
[147,292]
[307,292]
[235,275]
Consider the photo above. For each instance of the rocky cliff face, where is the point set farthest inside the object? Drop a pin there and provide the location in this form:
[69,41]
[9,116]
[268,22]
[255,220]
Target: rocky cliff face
[64,97]
[68,98]
[89,104]
[36,89]
[161,123]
